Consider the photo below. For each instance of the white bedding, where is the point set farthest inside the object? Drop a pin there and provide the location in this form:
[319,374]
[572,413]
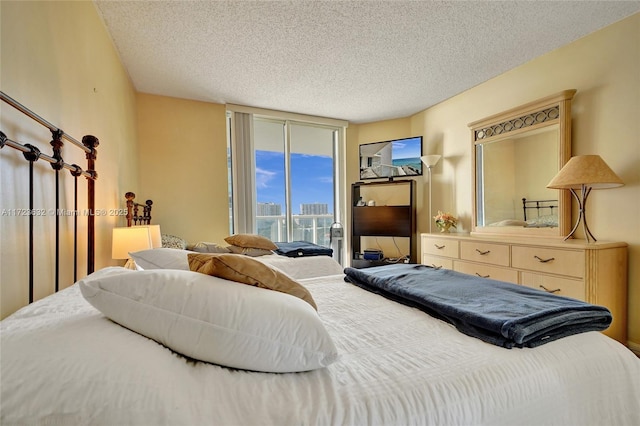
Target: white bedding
[303,267]
[62,362]
[295,267]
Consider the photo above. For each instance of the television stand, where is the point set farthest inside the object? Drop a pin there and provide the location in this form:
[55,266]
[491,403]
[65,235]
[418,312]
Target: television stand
[383,220]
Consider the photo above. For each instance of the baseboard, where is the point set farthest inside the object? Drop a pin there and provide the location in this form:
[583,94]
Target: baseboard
[635,347]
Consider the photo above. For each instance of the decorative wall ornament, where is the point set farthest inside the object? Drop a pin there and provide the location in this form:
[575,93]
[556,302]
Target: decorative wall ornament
[518,123]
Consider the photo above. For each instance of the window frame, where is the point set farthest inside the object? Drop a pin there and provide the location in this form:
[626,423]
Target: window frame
[242,173]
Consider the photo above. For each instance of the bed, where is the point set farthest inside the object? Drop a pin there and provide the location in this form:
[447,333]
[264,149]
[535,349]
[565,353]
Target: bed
[299,259]
[298,267]
[366,359]
[63,362]
[545,215]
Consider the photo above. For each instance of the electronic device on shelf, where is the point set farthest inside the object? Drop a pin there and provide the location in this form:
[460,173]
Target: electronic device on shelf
[373,254]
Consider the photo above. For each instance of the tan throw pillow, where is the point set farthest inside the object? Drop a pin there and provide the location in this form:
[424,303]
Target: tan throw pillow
[251,241]
[246,270]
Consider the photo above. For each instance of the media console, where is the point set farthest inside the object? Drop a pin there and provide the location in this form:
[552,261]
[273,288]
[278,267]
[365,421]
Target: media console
[393,219]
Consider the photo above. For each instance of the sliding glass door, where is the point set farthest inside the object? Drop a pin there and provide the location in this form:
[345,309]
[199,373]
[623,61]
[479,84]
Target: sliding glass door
[295,180]
[313,182]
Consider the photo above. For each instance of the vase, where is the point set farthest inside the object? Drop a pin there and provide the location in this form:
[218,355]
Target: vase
[444,227]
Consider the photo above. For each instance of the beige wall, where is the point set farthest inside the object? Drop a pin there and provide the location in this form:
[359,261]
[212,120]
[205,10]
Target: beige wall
[58,60]
[604,67]
[183,166]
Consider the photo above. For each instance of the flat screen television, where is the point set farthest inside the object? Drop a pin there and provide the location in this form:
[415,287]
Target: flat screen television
[391,159]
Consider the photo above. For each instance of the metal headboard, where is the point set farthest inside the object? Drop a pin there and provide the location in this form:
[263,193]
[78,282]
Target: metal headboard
[33,154]
[133,211]
[538,205]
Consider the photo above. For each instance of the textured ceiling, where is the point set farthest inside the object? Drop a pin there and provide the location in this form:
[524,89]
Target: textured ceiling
[360,61]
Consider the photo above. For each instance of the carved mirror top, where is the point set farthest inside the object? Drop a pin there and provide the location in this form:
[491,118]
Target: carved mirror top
[516,153]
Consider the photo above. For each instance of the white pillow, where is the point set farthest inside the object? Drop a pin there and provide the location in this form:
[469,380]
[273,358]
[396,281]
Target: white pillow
[162,258]
[215,320]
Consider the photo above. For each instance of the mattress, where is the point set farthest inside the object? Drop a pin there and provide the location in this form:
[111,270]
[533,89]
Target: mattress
[63,362]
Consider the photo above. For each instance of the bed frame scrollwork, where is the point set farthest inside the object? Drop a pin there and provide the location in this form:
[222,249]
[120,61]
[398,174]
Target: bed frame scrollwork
[33,154]
[538,205]
[134,217]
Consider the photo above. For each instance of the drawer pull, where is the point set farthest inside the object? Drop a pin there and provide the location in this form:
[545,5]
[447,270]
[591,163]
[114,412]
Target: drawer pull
[438,247]
[549,291]
[544,260]
[482,276]
[436,267]
[482,253]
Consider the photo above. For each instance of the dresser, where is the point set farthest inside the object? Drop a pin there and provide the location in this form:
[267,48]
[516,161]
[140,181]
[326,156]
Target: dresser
[593,272]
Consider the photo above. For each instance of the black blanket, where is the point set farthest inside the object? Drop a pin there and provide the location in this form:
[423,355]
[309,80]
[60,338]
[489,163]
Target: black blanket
[497,312]
[302,248]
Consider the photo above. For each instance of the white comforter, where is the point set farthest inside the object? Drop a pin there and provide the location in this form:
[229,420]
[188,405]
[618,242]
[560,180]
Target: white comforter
[63,362]
[303,267]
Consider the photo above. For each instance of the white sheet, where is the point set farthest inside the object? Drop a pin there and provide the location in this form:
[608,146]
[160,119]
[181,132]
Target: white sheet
[62,362]
[303,267]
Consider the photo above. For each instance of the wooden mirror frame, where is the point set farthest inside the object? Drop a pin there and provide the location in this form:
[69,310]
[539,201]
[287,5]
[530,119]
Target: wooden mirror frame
[548,111]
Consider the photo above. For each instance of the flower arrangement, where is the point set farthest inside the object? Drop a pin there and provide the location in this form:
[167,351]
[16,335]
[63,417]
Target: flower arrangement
[444,221]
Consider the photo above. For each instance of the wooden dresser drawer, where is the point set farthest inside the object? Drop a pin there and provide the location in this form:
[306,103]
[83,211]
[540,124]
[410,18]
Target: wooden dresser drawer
[486,271]
[495,254]
[437,262]
[440,247]
[553,261]
[556,285]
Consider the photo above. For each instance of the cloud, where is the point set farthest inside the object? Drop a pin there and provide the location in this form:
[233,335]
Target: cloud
[263,177]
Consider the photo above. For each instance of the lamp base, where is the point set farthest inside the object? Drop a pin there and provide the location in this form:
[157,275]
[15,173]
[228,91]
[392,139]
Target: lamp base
[582,205]
[131,264]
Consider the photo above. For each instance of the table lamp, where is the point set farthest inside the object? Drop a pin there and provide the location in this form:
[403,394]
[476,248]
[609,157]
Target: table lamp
[584,172]
[134,238]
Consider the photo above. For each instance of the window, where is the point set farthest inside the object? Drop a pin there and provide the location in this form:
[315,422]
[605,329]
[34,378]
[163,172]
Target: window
[287,184]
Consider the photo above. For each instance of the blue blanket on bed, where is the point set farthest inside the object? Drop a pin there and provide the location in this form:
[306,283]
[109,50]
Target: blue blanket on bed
[497,312]
[302,248]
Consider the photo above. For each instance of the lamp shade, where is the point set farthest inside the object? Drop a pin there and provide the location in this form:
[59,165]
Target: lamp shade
[156,236]
[588,170]
[430,160]
[134,238]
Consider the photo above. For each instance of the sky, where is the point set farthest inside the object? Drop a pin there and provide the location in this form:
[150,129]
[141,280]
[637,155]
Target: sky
[311,179]
[407,149]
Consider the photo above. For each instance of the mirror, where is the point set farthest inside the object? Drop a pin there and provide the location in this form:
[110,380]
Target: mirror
[516,154]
